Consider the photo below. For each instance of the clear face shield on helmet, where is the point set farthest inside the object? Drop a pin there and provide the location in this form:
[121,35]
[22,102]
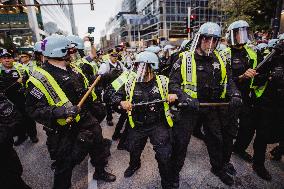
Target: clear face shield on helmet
[238,36]
[204,44]
[143,70]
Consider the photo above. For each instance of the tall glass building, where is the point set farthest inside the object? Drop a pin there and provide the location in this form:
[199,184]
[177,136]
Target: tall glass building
[15,23]
[166,19]
[128,6]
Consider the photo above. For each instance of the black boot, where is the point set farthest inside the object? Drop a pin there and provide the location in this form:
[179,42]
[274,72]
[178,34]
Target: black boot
[223,176]
[105,176]
[116,136]
[198,134]
[110,123]
[276,153]
[262,172]
[243,155]
[175,182]
[230,169]
[34,139]
[121,146]
[131,170]
[20,140]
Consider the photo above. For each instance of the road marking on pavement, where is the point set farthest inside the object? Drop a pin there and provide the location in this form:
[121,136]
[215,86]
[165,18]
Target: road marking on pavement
[92,183]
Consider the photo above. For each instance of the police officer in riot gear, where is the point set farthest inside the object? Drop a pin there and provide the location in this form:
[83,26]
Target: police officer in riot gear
[201,76]
[11,167]
[52,95]
[243,60]
[269,108]
[11,84]
[89,68]
[111,69]
[278,151]
[151,120]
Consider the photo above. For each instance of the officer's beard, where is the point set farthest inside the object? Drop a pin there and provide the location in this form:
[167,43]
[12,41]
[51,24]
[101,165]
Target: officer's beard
[202,52]
[67,59]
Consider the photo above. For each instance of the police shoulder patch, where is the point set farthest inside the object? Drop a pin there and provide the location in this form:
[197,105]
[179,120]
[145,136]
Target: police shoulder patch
[176,66]
[36,93]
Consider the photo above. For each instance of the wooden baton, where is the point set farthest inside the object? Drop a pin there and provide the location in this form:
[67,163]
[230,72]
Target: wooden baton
[80,104]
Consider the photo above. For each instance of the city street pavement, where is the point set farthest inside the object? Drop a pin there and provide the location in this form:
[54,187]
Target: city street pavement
[195,173]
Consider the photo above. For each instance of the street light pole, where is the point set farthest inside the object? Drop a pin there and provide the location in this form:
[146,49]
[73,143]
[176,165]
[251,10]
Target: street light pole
[164,20]
[33,19]
[188,22]
[276,21]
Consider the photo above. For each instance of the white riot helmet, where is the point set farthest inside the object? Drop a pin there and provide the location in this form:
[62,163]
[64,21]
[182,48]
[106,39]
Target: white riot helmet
[77,41]
[281,37]
[237,33]
[55,46]
[168,47]
[145,64]
[185,45]
[37,47]
[261,47]
[153,49]
[272,42]
[221,47]
[209,33]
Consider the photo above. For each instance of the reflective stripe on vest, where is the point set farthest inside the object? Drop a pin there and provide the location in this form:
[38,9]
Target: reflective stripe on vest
[122,79]
[162,82]
[19,68]
[258,90]
[189,76]
[81,61]
[86,81]
[52,91]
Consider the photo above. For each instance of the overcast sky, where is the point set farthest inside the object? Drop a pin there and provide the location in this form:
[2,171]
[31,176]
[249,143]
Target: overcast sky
[85,18]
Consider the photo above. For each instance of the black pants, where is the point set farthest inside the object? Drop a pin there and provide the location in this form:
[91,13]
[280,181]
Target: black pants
[29,127]
[71,146]
[182,131]
[11,170]
[123,117]
[220,128]
[246,129]
[109,112]
[269,129]
[160,138]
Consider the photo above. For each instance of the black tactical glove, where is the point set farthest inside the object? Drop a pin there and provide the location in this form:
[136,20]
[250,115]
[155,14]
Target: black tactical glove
[191,103]
[63,112]
[236,101]
[277,73]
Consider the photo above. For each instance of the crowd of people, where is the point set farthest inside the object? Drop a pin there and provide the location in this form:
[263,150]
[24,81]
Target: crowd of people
[222,89]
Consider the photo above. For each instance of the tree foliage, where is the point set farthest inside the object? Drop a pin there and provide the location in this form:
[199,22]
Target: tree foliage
[258,13]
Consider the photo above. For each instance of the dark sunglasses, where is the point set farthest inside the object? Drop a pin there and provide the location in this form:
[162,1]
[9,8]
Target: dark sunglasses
[208,38]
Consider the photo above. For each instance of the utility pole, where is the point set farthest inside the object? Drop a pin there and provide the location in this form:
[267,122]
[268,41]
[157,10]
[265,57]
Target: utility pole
[276,21]
[164,20]
[188,22]
[71,12]
[33,19]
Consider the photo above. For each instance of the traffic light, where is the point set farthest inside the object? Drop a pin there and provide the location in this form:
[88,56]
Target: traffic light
[91,29]
[192,21]
[92,4]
